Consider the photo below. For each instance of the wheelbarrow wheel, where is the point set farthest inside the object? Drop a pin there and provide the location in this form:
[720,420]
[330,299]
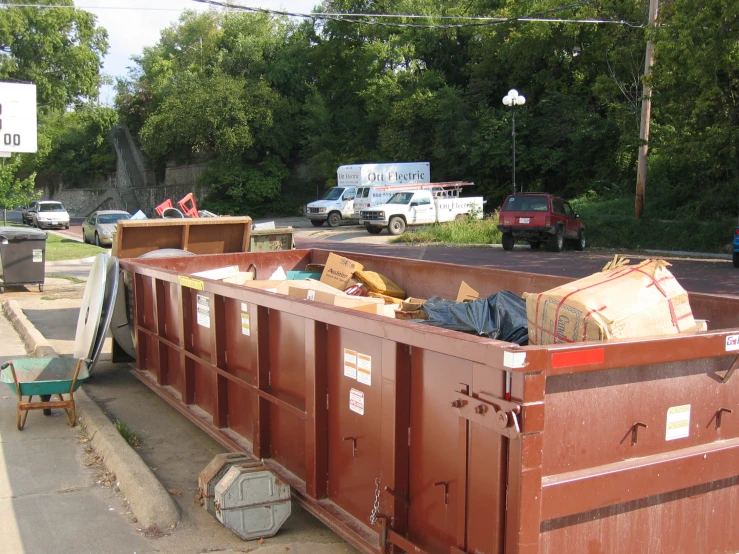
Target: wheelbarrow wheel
[46,398]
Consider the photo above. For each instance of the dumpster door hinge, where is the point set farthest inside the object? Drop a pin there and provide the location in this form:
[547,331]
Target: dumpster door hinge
[327,401]
[501,416]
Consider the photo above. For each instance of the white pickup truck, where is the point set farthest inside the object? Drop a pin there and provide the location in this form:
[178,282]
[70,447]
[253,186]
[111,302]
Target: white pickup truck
[420,207]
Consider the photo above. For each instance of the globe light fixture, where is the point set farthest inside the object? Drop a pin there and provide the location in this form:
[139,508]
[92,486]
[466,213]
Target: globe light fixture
[513,99]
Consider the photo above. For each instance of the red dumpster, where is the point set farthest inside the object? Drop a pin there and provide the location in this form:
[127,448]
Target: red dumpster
[618,447]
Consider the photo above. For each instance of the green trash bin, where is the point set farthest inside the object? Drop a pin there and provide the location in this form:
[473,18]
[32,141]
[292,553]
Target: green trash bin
[22,257]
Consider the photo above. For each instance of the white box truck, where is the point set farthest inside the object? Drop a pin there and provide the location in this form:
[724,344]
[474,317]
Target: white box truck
[432,203]
[354,189]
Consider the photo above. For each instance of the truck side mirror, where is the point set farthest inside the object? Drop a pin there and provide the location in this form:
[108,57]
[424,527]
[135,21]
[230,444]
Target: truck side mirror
[414,204]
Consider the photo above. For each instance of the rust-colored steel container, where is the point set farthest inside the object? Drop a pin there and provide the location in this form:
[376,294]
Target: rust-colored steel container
[620,447]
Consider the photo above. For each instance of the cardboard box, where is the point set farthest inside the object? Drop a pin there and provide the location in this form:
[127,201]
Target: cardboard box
[339,271]
[411,304]
[467,293]
[626,302]
[240,278]
[339,300]
[376,282]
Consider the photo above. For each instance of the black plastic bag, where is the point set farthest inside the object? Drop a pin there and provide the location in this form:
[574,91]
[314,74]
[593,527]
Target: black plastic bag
[501,316]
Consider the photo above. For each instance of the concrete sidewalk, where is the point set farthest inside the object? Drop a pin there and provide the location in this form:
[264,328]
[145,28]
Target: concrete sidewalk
[172,447]
[55,496]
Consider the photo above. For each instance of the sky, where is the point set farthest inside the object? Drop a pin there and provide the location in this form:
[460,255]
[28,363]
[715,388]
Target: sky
[140,23]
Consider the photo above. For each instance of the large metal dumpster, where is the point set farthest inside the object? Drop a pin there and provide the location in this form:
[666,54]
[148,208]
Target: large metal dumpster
[592,453]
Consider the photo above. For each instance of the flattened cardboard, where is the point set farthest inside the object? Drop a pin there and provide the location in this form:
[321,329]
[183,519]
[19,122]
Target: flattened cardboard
[339,271]
[467,293]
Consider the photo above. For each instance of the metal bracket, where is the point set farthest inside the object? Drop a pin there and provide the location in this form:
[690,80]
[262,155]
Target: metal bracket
[501,416]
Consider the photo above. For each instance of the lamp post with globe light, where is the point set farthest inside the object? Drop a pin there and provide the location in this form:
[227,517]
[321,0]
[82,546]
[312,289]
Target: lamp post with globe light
[513,99]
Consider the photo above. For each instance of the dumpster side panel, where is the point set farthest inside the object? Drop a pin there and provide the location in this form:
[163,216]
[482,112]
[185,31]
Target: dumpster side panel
[172,332]
[688,521]
[355,421]
[438,451]
[238,363]
[603,417]
[202,306]
[287,382]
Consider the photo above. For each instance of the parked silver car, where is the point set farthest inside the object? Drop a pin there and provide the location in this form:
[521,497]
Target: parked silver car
[99,227]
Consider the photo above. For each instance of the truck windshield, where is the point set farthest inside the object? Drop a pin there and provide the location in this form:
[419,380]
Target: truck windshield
[526,204]
[400,198]
[333,194]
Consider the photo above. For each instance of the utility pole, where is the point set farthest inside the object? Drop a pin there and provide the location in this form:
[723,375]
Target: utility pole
[646,111]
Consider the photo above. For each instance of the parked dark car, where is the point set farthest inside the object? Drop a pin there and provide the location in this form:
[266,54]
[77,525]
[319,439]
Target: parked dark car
[26,213]
[540,218]
[736,248]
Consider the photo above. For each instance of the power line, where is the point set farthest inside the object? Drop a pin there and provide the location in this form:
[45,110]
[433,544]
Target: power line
[363,18]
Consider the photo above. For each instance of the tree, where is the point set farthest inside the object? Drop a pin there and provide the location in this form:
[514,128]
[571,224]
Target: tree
[58,49]
[14,192]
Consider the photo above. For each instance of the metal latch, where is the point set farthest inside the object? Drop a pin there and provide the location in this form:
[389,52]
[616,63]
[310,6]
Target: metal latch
[501,416]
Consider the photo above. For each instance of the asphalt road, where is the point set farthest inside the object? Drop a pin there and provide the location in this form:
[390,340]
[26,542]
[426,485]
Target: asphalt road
[695,275]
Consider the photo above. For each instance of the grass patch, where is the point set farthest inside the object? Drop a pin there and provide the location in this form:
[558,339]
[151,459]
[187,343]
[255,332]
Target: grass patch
[462,231]
[127,433]
[609,223]
[70,278]
[61,248]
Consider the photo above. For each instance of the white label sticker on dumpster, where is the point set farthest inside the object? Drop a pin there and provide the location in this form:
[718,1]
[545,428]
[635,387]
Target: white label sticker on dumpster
[244,307]
[245,329]
[364,369]
[732,343]
[678,422]
[350,363]
[204,311]
[356,401]
[38,255]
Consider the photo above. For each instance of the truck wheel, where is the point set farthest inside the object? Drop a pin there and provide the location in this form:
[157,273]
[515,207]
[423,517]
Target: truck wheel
[372,229]
[557,240]
[396,226]
[316,223]
[736,259]
[334,219]
[507,241]
[580,244]
[535,245]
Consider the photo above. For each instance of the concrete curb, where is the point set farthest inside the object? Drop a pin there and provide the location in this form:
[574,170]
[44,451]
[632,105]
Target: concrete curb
[148,498]
[35,343]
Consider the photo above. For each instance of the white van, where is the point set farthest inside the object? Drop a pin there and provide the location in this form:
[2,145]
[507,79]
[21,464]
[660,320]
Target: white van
[354,190]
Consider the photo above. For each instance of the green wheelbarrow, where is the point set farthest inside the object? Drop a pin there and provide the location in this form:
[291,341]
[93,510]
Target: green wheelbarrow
[46,378]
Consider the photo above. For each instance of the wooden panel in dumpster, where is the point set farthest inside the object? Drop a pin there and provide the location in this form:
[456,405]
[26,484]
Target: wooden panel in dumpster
[339,271]
[626,302]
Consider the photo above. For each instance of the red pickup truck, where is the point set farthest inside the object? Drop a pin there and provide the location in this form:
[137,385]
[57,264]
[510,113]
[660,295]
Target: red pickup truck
[537,218]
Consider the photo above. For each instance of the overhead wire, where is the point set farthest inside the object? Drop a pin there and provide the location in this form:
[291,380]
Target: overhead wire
[369,18]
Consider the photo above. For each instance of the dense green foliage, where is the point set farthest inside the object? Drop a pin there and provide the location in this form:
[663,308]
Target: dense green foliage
[277,104]
[60,51]
[76,144]
[14,192]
